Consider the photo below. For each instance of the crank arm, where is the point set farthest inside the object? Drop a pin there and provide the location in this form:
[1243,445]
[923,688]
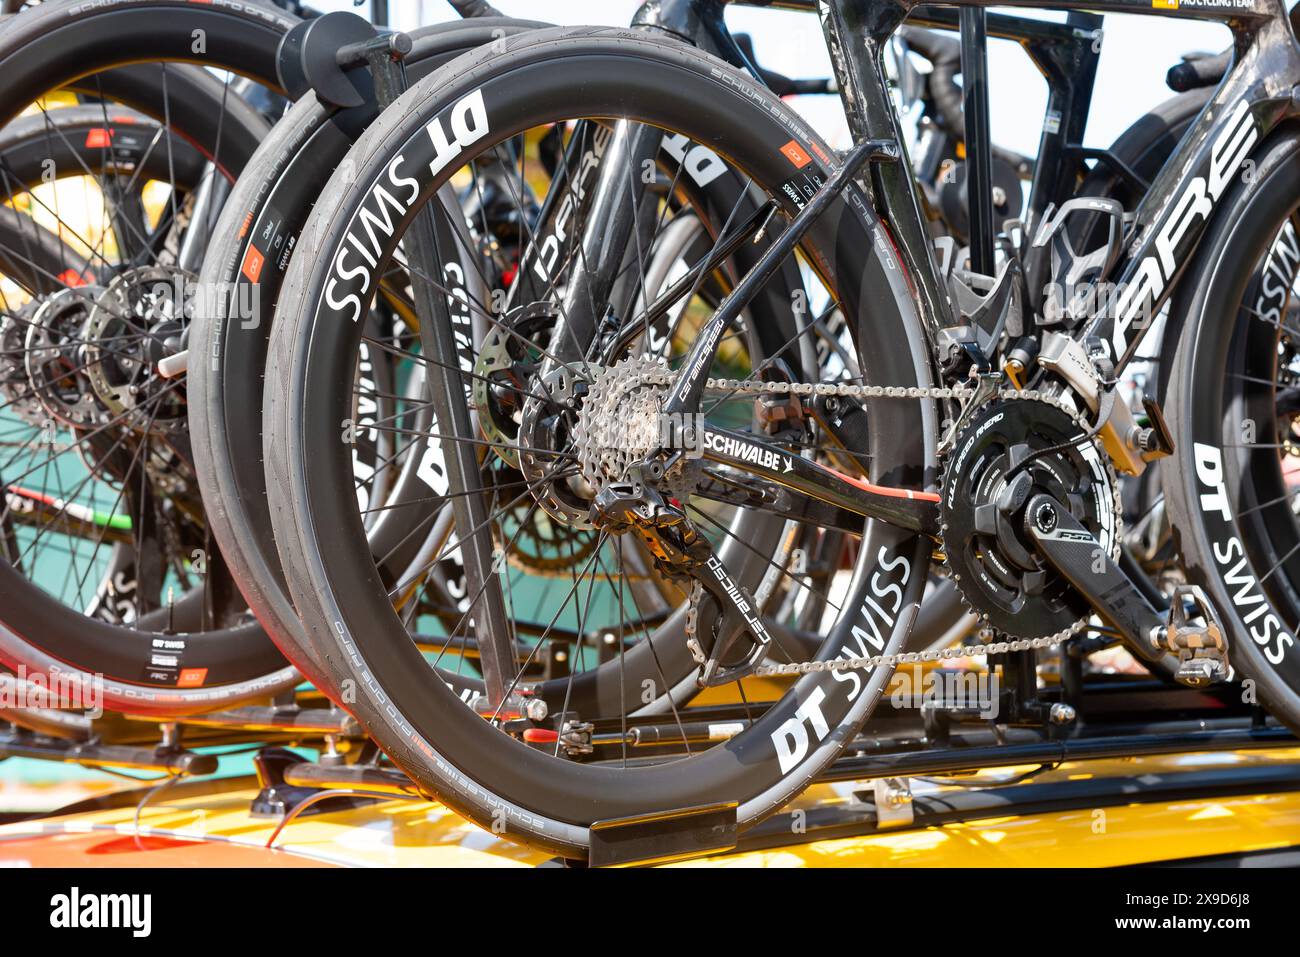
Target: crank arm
[905,508]
[1074,552]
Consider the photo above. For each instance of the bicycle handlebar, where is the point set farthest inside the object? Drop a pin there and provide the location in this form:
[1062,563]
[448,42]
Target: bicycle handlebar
[944,54]
[1199,72]
[475,8]
[779,84]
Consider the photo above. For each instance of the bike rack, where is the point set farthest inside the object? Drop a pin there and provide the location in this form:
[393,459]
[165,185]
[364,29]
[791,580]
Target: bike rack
[291,720]
[147,743]
[894,749]
[865,816]
[167,758]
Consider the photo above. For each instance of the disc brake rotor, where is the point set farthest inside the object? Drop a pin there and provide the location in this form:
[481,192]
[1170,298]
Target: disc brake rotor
[136,322]
[15,387]
[504,371]
[544,448]
[55,360]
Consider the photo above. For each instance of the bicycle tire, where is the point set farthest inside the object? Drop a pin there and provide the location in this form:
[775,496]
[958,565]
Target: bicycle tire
[1226,524]
[620,73]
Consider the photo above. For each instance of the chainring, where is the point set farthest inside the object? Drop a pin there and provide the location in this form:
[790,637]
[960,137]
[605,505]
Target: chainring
[995,569]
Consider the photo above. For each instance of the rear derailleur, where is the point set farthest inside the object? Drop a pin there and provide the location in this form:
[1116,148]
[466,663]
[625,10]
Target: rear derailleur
[720,607]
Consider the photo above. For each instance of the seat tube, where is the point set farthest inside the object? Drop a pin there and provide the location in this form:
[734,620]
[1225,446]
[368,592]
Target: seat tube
[856,34]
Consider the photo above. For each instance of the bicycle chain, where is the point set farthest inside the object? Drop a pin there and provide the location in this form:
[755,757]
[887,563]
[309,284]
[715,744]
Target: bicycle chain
[878,661]
[850,391]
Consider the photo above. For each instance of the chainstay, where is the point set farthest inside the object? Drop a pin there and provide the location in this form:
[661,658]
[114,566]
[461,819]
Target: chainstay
[851,391]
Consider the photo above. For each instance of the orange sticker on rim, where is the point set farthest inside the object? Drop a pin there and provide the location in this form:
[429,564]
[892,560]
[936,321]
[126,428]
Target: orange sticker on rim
[192,678]
[796,154]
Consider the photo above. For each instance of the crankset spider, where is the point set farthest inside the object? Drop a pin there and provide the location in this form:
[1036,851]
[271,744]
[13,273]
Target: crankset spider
[1011,450]
[137,321]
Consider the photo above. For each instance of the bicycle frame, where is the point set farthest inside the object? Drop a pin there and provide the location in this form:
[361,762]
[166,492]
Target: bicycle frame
[1254,98]
[1257,95]
[1066,54]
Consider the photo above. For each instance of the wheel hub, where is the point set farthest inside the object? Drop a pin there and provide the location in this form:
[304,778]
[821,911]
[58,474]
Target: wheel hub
[135,322]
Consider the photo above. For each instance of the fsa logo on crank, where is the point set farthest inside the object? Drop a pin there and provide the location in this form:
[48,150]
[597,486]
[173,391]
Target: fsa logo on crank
[392,196]
[882,604]
[1266,630]
[1193,205]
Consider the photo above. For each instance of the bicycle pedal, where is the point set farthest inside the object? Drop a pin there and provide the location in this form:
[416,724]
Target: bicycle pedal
[1201,672]
[1201,649]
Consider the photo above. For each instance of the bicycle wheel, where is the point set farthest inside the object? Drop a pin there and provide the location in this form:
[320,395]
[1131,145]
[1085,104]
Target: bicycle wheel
[377,670]
[1232,497]
[247,258]
[264,214]
[201,124]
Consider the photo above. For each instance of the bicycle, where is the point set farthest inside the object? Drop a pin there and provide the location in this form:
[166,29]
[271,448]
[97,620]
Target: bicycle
[1031,579]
